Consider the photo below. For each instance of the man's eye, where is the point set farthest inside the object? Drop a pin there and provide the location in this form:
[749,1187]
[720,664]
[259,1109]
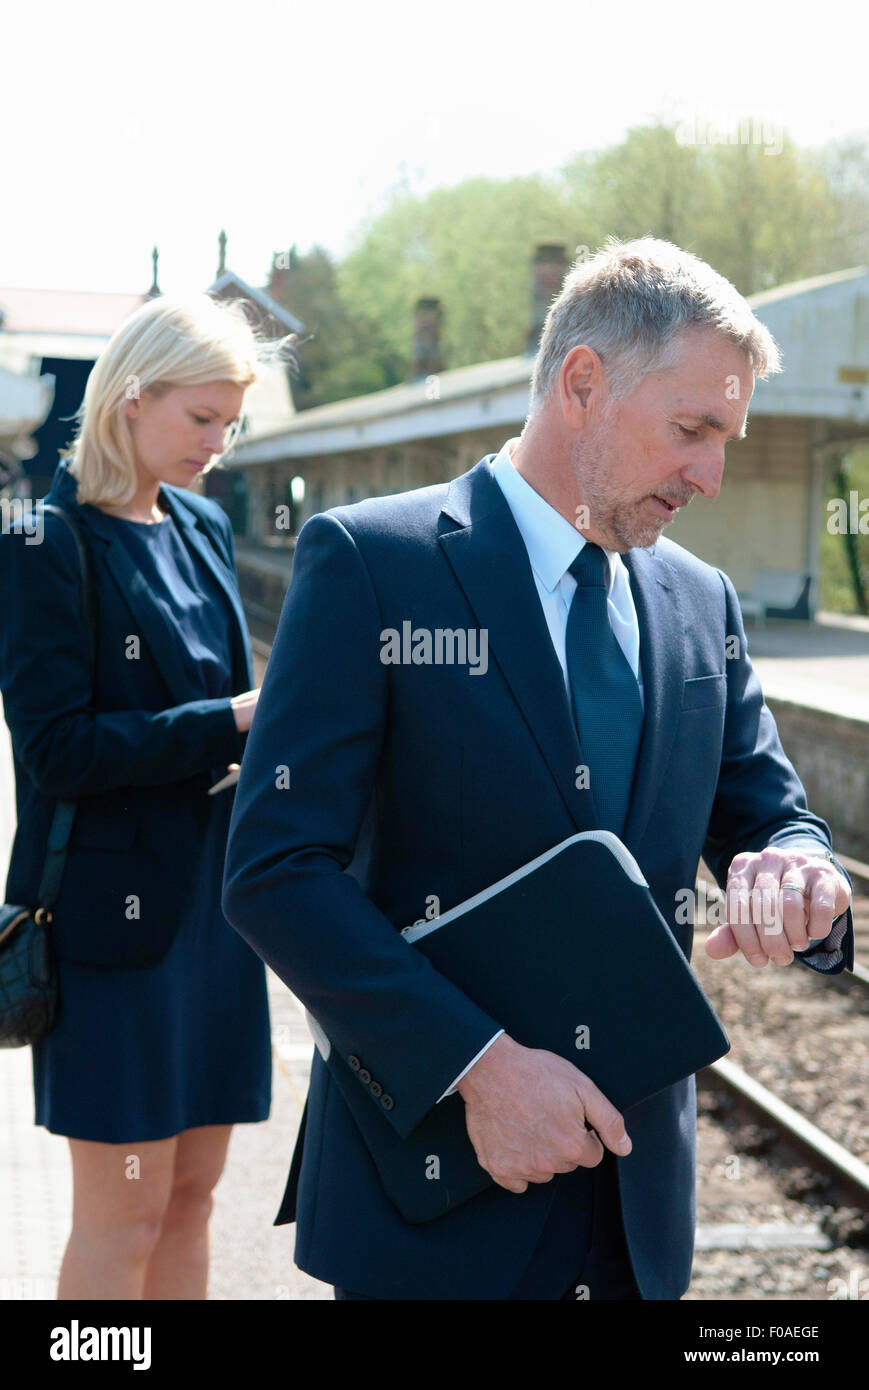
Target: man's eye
[691,434]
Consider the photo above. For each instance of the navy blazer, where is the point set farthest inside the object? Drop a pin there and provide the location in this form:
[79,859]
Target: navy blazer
[130,746]
[441,781]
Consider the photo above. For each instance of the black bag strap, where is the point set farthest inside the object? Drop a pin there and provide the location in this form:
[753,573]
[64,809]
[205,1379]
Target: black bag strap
[55,858]
[64,815]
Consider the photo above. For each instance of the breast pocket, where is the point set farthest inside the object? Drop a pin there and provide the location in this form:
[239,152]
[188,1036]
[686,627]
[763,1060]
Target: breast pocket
[704,692]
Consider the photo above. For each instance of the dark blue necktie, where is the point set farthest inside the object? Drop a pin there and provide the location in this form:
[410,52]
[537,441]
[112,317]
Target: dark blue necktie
[606,700]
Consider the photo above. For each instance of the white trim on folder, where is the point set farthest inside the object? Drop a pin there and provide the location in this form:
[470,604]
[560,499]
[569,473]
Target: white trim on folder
[604,837]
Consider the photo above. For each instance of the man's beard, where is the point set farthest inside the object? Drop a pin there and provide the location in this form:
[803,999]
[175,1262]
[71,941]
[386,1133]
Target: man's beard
[623,520]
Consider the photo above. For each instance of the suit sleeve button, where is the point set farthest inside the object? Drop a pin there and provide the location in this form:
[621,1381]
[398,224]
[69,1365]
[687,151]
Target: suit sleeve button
[354,1062]
[376,1089]
[365,1076]
[387,1102]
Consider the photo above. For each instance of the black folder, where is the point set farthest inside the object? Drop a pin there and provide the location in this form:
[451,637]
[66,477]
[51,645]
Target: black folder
[568,953]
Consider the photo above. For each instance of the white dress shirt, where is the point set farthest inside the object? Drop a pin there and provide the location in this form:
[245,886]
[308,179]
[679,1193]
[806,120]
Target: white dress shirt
[553,544]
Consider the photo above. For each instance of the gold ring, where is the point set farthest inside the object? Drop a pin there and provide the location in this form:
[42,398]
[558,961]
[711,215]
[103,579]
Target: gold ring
[797,889]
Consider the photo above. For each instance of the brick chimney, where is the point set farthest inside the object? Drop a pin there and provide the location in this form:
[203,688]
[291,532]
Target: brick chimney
[548,269]
[277,277]
[427,358]
[282,263]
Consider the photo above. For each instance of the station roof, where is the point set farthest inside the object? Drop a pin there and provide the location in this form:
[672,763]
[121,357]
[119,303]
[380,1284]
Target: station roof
[80,313]
[77,324]
[270,307]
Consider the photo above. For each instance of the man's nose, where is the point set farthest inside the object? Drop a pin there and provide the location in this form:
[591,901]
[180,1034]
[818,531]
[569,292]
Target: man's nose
[705,477]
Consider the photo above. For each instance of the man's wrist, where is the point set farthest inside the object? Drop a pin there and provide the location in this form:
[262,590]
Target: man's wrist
[484,1066]
[473,1062]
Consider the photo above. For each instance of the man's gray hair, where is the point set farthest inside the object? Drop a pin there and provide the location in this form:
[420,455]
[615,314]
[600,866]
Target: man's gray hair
[629,302]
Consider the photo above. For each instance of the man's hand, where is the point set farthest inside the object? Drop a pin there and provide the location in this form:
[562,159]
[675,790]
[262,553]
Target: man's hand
[525,1111]
[777,900]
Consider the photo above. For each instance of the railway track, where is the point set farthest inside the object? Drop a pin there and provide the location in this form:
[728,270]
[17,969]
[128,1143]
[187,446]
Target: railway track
[849,1173]
[797,1222]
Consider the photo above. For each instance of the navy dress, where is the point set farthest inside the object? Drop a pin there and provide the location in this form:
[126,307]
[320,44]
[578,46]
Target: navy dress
[141,1054]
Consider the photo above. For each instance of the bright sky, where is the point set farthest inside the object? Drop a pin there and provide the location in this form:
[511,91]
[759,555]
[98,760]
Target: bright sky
[126,126]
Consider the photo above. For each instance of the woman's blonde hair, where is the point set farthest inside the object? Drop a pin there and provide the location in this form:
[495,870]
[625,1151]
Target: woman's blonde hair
[166,342]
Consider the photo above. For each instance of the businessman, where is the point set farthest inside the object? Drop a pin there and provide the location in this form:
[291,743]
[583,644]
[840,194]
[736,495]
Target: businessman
[392,771]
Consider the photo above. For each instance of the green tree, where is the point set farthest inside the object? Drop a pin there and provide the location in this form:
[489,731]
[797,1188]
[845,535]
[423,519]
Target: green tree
[768,218]
[650,184]
[341,354]
[843,554]
[468,246]
[845,166]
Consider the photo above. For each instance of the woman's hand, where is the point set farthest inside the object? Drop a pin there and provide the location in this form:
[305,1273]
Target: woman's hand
[243,707]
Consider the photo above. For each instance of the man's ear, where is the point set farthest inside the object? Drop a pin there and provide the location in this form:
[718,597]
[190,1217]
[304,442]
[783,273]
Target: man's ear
[581,376]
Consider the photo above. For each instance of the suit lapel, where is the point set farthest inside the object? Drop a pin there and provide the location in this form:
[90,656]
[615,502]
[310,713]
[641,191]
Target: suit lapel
[655,590]
[490,562]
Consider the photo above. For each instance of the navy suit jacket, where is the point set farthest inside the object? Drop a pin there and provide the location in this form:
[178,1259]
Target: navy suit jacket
[130,746]
[408,781]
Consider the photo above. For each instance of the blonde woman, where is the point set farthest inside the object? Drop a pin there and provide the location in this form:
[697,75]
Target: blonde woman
[162,1039]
